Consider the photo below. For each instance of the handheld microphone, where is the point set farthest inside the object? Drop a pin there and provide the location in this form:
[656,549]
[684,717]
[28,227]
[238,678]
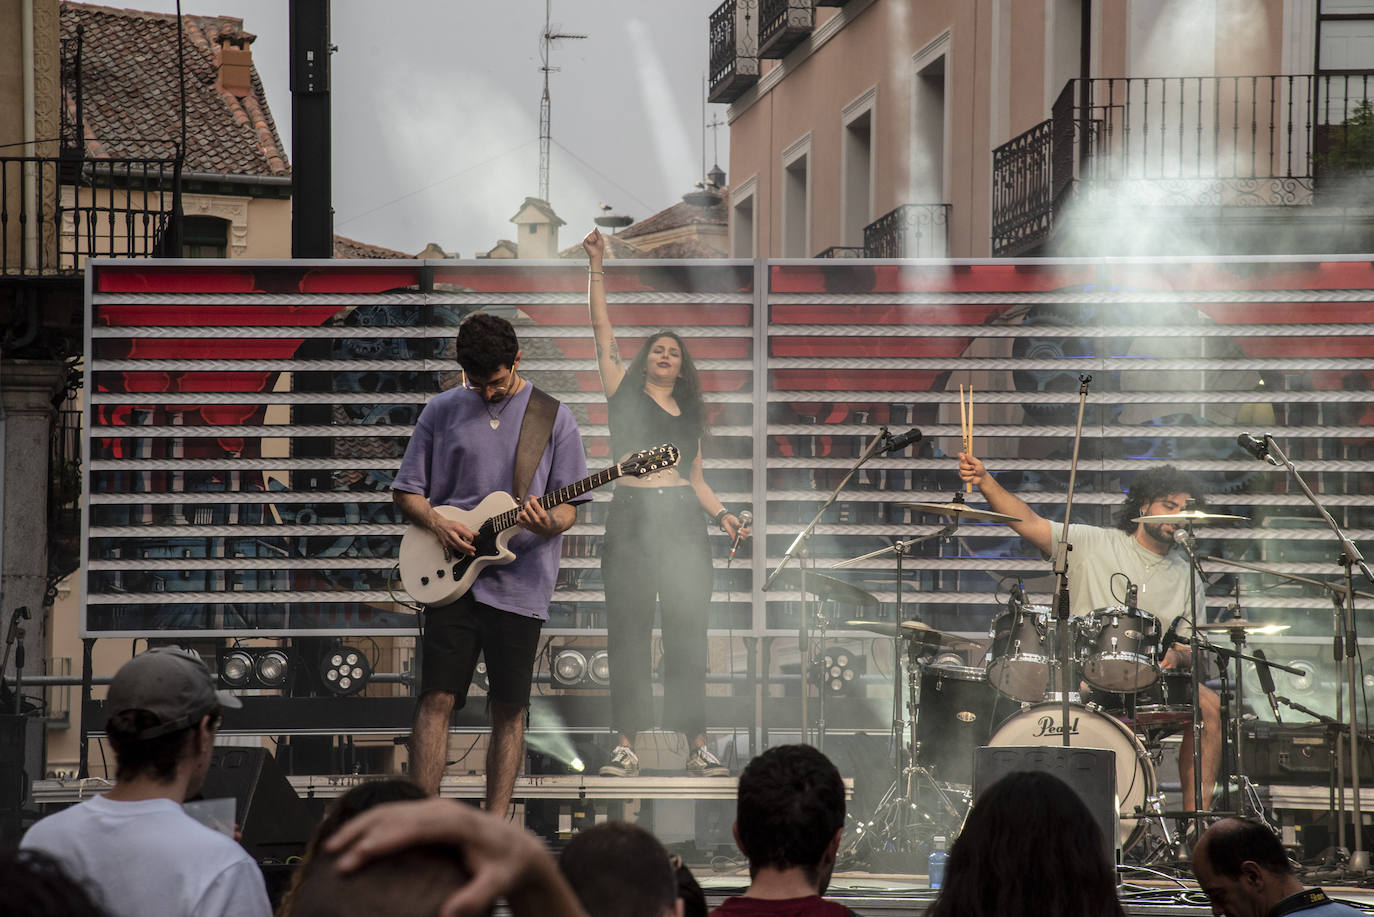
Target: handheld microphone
[895,443]
[746,519]
[1259,448]
[1266,678]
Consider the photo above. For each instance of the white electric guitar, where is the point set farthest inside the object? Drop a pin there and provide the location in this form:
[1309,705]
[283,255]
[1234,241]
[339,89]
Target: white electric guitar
[435,575]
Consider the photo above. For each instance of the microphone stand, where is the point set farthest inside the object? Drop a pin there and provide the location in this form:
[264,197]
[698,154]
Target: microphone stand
[1187,542]
[1345,629]
[795,549]
[1061,567]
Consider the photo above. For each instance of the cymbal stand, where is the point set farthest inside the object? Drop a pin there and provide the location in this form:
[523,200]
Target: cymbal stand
[1344,639]
[1061,568]
[815,658]
[796,548]
[1189,542]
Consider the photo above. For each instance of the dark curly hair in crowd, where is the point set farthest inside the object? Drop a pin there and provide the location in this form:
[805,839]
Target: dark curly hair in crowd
[34,884]
[1030,847]
[618,869]
[1153,484]
[1232,841]
[791,803]
[485,344]
[687,388]
[156,757]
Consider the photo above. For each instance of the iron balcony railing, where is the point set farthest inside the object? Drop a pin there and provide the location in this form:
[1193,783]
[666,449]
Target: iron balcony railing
[909,231]
[1237,141]
[783,24]
[56,212]
[734,58]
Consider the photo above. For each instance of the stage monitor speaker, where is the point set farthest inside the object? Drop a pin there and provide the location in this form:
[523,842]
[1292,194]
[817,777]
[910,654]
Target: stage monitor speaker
[273,820]
[1091,772]
[21,763]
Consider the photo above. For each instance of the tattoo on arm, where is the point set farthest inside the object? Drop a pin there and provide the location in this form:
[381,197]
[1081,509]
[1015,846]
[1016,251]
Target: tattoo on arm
[615,353]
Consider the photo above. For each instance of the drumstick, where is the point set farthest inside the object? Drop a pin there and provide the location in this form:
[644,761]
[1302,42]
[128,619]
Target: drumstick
[966,424]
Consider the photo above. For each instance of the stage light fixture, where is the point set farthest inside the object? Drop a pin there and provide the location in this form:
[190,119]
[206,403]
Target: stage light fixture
[569,667]
[345,670]
[840,670]
[599,669]
[272,668]
[235,668]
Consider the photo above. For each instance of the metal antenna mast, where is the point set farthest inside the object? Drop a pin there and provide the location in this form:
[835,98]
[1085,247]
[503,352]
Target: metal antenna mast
[548,38]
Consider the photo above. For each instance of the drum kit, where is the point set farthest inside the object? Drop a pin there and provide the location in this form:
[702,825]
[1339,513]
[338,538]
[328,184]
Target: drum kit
[1121,698]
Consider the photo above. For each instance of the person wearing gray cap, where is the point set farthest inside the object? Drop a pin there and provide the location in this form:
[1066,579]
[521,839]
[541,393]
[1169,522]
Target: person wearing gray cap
[135,849]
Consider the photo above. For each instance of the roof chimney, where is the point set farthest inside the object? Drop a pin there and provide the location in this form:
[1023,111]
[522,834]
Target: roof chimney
[235,65]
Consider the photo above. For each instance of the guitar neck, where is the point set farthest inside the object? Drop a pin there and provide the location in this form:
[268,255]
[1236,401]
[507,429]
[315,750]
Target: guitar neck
[503,521]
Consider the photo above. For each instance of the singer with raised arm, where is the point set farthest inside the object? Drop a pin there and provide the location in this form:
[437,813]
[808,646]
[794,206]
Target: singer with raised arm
[1136,555]
[656,554]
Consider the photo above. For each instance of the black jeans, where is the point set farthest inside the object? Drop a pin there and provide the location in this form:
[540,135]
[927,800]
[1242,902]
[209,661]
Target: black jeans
[656,548]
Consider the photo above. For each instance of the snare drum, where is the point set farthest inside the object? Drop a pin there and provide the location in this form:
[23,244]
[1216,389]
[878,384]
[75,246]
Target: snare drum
[1041,724]
[1021,653]
[1118,648]
[955,717]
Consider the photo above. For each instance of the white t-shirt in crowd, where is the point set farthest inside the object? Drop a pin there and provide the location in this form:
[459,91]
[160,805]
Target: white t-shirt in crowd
[150,857]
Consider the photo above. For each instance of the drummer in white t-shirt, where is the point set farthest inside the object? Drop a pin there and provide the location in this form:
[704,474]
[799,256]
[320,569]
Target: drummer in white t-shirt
[1105,560]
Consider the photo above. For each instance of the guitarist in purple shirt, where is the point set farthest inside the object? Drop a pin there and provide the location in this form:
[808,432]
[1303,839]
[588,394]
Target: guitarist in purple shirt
[464,449]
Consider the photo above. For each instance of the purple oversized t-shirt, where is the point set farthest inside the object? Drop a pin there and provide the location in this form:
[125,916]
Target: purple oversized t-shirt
[456,458]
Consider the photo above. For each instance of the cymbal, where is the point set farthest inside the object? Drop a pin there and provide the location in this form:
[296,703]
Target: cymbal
[960,510]
[828,588]
[916,632]
[1191,515]
[1241,625]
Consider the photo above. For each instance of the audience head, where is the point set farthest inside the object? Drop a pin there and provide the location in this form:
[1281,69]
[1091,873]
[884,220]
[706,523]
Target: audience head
[413,882]
[620,870]
[689,891]
[1029,846]
[356,801]
[33,884]
[1243,868]
[158,703]
[790,812]
[486,343]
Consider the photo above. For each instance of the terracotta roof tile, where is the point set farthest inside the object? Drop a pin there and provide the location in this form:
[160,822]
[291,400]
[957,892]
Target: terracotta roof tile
[345,247]
[678,215]
[131,96]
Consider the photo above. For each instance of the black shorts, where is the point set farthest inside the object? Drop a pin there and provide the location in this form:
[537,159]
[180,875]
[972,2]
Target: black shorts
[454,636]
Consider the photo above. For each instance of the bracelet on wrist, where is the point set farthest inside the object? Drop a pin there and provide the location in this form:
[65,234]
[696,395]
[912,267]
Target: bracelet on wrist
[720,515]
[595,273]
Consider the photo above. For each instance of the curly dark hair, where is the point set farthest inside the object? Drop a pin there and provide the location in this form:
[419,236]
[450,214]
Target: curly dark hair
[687,388]
[618,869]
[485,344]
[1153,484]
[1232,841]
[1030,846]
[156,757]
[37,885]
[791,803]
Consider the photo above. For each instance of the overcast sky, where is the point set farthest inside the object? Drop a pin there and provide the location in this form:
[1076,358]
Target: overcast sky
[436,110]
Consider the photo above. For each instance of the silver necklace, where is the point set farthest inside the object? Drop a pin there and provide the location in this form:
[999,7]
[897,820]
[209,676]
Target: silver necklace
[505,403]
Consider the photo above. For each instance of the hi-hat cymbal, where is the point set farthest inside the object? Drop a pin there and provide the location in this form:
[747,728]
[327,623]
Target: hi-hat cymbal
[1241,625]
[828,588]
[1191,515]
[916,632]
[960,511]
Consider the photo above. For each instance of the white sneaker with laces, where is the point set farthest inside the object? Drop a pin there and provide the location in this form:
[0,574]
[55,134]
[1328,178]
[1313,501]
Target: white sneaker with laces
[701,763]
[624,763]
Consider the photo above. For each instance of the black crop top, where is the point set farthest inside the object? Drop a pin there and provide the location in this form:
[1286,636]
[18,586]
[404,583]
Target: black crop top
[638,422]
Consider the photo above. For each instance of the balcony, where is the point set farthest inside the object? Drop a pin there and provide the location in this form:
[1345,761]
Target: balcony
[909,231]
[734,50]
[1229,150]
[56,212]
[783,24]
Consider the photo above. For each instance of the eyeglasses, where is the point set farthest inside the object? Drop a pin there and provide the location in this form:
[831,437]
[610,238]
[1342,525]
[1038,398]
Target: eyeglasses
[494,386]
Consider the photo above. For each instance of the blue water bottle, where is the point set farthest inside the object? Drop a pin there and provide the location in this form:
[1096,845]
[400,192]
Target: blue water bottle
[936,870]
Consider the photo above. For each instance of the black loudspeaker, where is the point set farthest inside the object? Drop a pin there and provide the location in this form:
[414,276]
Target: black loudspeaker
[1091,772]
[273,820]
[21,762]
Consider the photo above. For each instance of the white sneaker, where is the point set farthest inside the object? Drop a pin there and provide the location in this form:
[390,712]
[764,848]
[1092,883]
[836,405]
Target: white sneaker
[624,763]
[701,763]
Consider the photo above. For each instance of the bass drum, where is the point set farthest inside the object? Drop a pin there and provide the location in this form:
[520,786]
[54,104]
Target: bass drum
[1039,724]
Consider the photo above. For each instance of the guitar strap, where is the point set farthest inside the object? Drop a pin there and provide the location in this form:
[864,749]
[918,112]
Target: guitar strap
[535,430]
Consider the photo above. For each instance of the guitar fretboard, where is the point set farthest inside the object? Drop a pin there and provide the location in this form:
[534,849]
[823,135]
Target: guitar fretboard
[503,521]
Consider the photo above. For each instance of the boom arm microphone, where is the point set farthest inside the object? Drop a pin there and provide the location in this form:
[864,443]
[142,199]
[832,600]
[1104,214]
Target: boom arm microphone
[1259,448]
[895,443]
[1266,678]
